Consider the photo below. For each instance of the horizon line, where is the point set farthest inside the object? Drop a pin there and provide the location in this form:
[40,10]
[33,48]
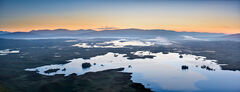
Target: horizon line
[97,29]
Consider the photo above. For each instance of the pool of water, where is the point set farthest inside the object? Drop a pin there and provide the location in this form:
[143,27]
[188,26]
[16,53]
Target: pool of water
[8,51]
[164,72]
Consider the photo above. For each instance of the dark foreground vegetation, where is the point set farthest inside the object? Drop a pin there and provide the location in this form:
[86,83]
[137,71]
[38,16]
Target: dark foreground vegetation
[35,53]
[226,52]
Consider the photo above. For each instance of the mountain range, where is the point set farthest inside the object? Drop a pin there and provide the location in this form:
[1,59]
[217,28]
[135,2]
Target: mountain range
[127,33]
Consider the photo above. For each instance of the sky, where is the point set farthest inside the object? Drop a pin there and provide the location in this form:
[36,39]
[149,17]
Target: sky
[215,16]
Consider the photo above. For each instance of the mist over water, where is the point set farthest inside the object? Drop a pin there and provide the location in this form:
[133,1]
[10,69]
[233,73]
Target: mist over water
[125,43]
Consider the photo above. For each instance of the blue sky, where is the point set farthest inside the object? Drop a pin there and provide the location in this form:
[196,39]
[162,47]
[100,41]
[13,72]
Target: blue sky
[181,15]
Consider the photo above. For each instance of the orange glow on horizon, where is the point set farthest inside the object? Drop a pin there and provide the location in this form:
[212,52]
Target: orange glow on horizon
[179,23]
[190,16]
[177,29]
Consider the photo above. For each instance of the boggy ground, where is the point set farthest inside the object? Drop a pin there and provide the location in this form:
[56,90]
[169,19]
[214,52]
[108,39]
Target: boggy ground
[226,52]
[35,53]
[13,77]
[104,81]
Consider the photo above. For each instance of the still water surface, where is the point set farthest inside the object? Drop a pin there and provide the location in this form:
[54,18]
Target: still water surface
[164,72]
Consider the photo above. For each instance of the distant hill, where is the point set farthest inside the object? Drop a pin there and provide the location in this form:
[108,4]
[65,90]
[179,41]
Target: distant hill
[45,34]
[235,37]
[149,33]
[3,32]
[58,33]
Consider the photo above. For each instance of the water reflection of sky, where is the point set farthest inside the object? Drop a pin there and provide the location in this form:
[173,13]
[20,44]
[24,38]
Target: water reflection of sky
[8,51]
[161,73]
